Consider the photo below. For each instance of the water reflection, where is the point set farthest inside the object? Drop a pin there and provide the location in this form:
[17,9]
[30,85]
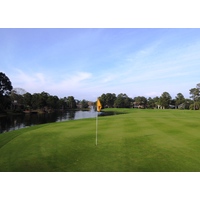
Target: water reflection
[14,122]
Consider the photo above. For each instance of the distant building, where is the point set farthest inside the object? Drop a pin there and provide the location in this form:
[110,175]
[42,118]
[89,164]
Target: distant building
[181,106]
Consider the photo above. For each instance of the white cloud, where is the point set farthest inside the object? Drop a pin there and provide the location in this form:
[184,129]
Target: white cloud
[38,82]
[40,77]
[21,77]
[31,82]
[148,70]
[73,85]
[79,77]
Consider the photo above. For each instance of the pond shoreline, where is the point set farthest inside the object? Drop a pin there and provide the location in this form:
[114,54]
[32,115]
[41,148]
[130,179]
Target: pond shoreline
[16,121]
[40,112]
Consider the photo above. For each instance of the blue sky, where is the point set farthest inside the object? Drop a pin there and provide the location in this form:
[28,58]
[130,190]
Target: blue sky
[86,63]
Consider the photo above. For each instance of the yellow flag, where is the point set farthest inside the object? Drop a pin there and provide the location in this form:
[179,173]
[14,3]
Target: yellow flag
[99,106]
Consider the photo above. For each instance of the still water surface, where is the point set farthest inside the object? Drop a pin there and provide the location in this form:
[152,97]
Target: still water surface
[14,122]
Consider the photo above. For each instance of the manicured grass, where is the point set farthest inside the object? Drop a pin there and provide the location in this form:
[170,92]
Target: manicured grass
[138,141]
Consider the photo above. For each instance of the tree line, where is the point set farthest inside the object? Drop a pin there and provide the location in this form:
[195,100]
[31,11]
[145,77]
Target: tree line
[18,100]
[165,101]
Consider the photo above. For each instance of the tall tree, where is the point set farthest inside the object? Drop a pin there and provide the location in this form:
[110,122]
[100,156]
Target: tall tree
[103,100]
[52,102]
[156,101]
[5,89]
[140,101]
[84,104]
[180,99]
[110,99]
[43,99]
[27,100]
[35,101]
[188,103]
[122,101]
[71,102]
[195,94]
[151,103]
[5,85]
[63,103]
[165,99]
[16,97]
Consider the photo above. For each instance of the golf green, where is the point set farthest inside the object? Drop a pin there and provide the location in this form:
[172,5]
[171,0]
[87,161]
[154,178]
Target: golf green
[137,141]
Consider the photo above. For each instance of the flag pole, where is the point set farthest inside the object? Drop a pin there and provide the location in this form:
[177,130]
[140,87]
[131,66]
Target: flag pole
[99,106]
[96,127]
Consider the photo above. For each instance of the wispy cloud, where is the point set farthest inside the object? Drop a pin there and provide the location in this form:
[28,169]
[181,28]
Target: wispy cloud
[41,78]
[38,82]
[74,82]
[87,63]
[31,82]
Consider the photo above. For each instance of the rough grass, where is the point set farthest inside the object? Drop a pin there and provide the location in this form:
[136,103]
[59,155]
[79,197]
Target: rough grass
[138,141]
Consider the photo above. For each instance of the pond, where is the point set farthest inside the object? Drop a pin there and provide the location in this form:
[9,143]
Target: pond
[14,122]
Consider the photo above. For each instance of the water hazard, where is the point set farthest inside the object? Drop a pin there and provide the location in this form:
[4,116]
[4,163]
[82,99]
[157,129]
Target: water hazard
[14,122]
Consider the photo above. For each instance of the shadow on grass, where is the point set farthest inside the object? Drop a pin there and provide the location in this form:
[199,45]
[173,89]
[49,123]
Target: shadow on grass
[110,113]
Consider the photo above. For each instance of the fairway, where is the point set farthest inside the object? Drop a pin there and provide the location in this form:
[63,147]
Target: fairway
[137,141]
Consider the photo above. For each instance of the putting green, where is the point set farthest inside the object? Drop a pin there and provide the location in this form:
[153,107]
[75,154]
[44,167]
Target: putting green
[138,141]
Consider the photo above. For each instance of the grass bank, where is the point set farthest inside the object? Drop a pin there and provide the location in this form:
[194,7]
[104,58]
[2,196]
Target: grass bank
[138,141]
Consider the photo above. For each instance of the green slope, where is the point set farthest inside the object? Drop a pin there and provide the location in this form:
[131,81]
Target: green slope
[138,141]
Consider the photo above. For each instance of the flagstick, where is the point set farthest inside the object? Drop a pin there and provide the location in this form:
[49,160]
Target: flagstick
[96,127]
[99,106]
